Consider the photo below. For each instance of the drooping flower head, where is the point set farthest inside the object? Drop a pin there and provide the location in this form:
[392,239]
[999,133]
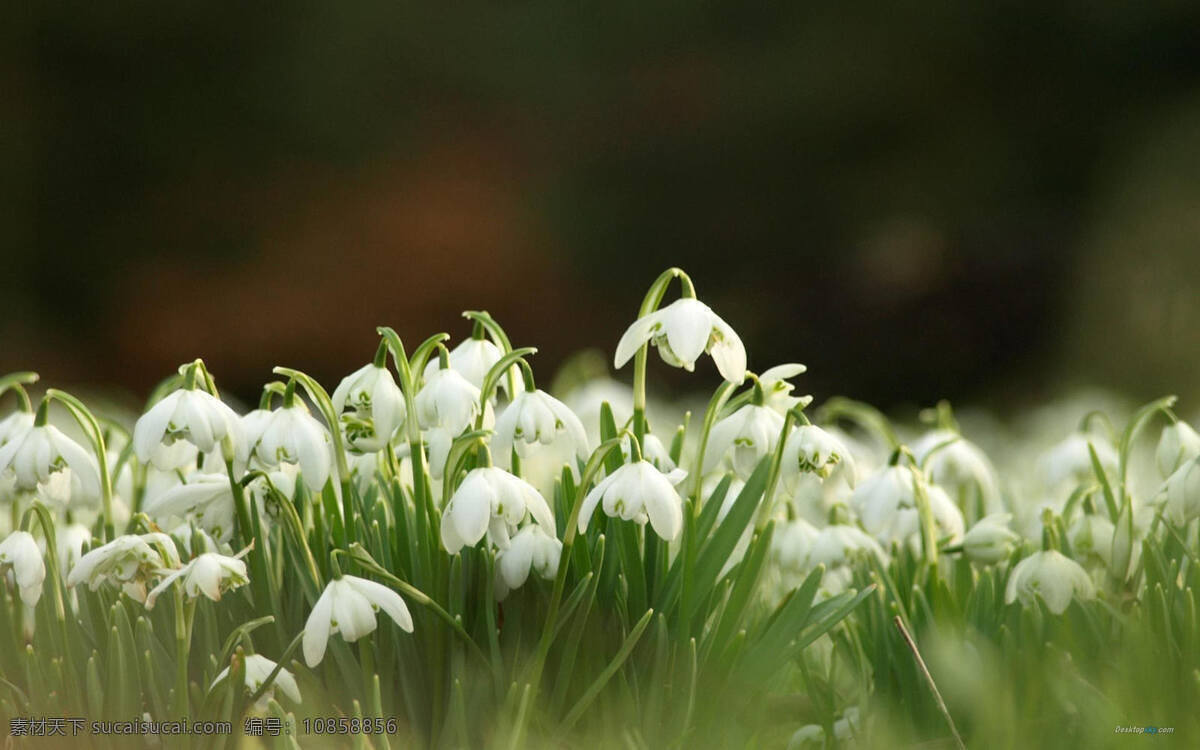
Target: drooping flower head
[682,331]
[348,606]
[258,669]
[20,552]
[1052,577]
[745,437]
[209,574]
[371,407]
[36,455]
[532,549]
[491,501]
[290,435]
[639,492]
[183,423]
[537,418]
[128,561]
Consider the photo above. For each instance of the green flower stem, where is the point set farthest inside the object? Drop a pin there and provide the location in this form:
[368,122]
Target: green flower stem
[91,428]
[650,303]
[17,382]
[492,379]
[184,613]
[484,321]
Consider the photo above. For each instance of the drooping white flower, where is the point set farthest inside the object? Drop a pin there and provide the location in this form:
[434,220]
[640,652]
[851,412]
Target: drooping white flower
[1091,538]
[472,359]
[791,544]
[206,499]
[811,449]
[1051,576]
[209,574]
[837,547]
[639,492]
[491,501]
[537,417]
[878,499]
[186,417]
[20,552]
[448,401]
[745,436]
[1182,493]
[293,436]
[348,606]
[531,549]
[682,331]
[15,424]
[127,561]
[777,392]
[371,407]
[990,540]
[258,669]
[953,462]
[1070,459]
[1178,445]
[37,453]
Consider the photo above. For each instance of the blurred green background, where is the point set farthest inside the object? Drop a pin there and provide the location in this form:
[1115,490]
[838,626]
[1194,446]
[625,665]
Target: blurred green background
[919,200]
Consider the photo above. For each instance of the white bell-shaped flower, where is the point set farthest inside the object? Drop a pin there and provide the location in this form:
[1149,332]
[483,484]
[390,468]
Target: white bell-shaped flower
[348,606]
[1051,576]
[791,544]
[879,499]
[258,669]
[491,501]
[531,549]
[1071,460]
[958,464]
[127,561]
[14,424]
[209,574]
[682,331]
[1091,538]
[777,391]
[472,359]
[1178,445]
[1182,493]
[745,437]
[812,450]
[19,551]
[184,422]
[447,401]
[990,540]
[37,453]
[69,541]
[371,407]
[639,492]
[653,450]
[537,418]
[206,499]
[290,435]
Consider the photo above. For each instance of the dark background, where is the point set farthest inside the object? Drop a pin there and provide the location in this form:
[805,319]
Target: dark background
[982,201]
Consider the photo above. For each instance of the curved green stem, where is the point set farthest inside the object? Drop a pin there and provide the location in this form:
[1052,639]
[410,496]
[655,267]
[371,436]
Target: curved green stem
[91,427]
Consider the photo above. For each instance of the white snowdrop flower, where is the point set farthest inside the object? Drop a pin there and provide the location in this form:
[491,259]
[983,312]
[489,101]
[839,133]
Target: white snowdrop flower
[206,499]
[791,544]
[812,450]
[639,492]
[348,606]
[537,417]
[472,359]
[491,501]
[947,518]
[1071,460]
[1179,444]
[15,424]
[777,392]
[290,435]
[682,331]
[1182,493]
[69,541]
[958,464]
[1091,538]
[990,540]
[448,401]
[189,416]
[813,735]
[127,561]
[654,451]
[371,406]
[38,452]
[531,549]
[746,436]
[1051,576]
[209,574]
[20,552]
[839,544]
[258,669]
[254,423]
[878,499]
